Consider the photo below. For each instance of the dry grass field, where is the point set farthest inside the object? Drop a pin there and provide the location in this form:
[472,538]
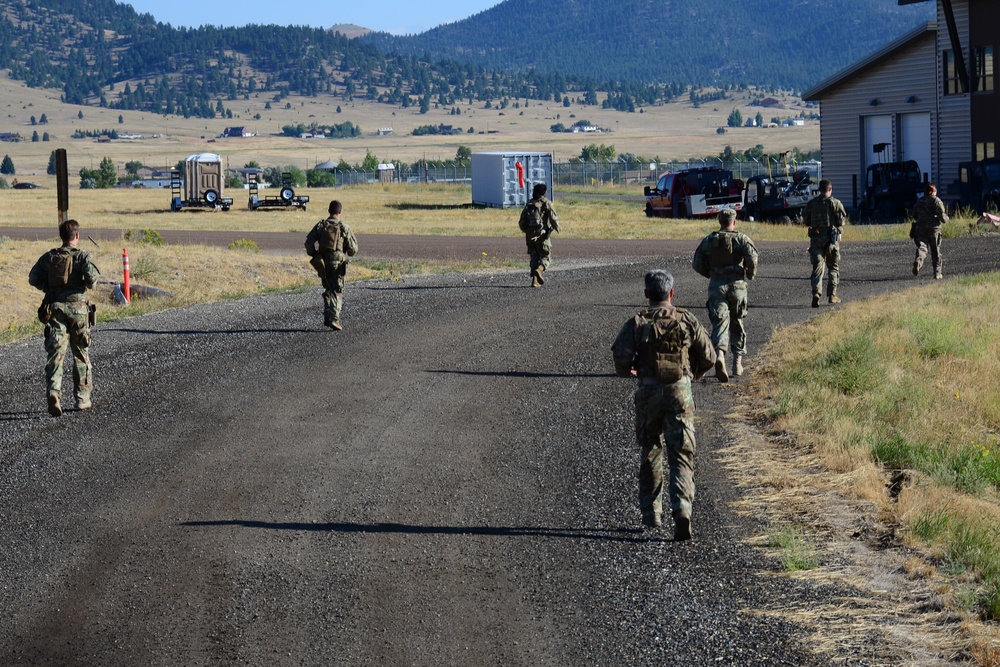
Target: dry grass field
[672,131]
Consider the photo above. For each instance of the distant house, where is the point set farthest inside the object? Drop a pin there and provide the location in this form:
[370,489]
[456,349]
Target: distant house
[384,131]
[10,136]
[236,132]
[329,165]
[586,128]
[771,103]
[931,95]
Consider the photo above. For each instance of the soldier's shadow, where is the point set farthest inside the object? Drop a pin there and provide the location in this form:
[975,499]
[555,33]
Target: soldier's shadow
[521,374]
[636,535]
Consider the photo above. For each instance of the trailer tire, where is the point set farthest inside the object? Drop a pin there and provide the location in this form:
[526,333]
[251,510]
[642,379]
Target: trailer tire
[211,196]
[287,194]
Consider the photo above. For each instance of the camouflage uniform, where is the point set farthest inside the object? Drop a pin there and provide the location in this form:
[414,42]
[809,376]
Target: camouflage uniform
[329,244]
[728,259]
[664,414]
[930,214]
[825,218]
[68,323]
[539,244]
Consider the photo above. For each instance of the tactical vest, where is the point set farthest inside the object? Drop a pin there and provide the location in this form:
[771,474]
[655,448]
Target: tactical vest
[60,269]
[662,347]
[821,213]
[534,218]
[724,251]
[330,238]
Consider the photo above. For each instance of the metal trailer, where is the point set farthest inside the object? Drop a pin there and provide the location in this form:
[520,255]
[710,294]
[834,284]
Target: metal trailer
[505,179]
[286,195]
[201,185]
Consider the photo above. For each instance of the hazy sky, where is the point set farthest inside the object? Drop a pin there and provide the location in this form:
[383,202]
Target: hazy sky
[395,16]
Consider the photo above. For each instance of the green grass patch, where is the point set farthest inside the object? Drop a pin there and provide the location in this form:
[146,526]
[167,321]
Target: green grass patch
[795,550]
[970,468]
[969,546]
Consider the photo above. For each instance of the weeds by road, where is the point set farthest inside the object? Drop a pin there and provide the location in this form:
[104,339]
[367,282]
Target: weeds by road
[894,402]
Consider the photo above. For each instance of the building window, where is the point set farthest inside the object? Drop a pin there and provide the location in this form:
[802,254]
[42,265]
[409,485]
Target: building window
[985,149]
[982,73]
[952,84]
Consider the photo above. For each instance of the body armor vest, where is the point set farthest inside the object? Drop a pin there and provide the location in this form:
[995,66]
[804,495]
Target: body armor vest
[61,269]
[330,238]
[724,251]
[662,351]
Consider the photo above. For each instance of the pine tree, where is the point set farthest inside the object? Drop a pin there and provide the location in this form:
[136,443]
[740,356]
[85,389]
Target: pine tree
[51,169]
[7,166]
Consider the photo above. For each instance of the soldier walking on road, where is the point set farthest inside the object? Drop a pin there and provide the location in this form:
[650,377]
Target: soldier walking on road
[65,274]
[665,348]
[538,220]
[825,217]
[729,260]
[330,244]
[930,214]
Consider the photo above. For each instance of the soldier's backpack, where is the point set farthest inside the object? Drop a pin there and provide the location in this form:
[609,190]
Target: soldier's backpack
[662,345]
[330,238]
[60,268]
[723,252]
[533,219]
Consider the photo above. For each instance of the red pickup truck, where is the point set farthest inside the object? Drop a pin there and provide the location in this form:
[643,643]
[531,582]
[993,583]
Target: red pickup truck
[691,193]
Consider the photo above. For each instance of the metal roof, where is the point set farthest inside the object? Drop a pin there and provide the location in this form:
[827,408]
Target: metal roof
[892,48]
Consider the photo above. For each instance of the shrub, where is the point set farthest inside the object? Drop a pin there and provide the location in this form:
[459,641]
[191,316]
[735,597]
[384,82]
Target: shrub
[244,245]
[144,267]
[145,236]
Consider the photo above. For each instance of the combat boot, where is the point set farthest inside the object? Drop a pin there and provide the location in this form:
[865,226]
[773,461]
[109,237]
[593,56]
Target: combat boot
[335,325]
[938,275]
[720,367]
[651,520]
[83,401]
[916,267]
[833,296]
[738,365]
[534,278]
[541,270]
[55,407]
[682,528]
[815,303]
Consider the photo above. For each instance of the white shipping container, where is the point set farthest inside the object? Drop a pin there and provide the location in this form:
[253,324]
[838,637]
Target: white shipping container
[495,180]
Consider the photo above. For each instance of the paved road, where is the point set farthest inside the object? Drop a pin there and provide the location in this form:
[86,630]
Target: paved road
[451,480]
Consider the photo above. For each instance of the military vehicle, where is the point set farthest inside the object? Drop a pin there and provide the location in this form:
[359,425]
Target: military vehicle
[773,199]
[979,184]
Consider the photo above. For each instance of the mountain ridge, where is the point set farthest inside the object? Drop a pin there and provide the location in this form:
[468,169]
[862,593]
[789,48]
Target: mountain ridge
[631,39]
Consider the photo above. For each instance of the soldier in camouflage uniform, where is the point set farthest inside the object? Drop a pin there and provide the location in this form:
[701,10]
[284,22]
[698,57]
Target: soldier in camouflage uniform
[930,214]
[538,220]
[825,217]
[329,245]
[65,274]
[665,348]
[729,260]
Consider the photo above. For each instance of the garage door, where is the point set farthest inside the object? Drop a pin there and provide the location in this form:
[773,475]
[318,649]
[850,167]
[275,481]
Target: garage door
[915,129]
[878,129]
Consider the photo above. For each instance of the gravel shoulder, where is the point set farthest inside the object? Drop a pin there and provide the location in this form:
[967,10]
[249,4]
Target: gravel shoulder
[451,480]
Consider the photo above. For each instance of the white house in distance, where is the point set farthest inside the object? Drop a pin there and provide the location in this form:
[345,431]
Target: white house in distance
[930,95]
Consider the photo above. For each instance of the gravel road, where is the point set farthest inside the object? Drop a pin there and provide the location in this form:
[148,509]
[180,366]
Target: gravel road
[449,481]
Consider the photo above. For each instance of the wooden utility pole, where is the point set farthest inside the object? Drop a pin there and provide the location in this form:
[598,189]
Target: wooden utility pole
[62,184]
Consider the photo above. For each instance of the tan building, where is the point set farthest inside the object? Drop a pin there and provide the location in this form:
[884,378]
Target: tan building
[930,95]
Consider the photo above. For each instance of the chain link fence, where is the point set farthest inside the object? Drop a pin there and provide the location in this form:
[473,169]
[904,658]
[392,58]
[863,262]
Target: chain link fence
[573,173]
